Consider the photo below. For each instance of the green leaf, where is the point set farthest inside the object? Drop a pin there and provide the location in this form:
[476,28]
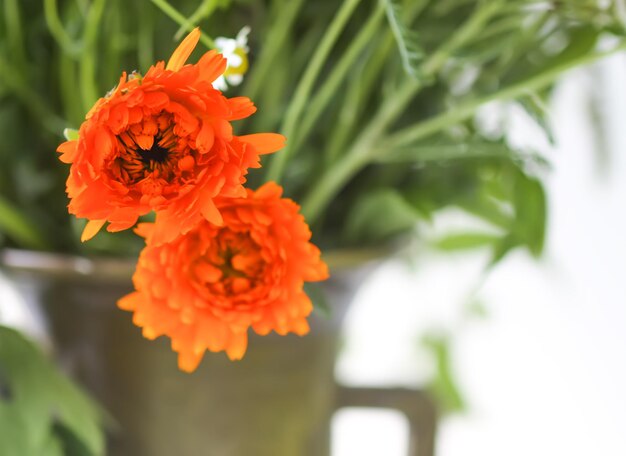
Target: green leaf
[503,247]
[70,134]
[320,302]
[18,227]
[536,108]
[407,40]
[444,385]
[530,210]
[38,401]
[465,241]
[446,150]
[380,214]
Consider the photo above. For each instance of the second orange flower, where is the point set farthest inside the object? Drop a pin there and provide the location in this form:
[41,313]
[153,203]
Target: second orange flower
[205,289]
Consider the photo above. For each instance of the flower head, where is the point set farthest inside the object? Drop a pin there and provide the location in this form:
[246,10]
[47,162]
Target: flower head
[162,141]
[235,51]
[207,287]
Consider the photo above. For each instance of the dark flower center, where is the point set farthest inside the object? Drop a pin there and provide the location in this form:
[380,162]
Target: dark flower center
[156,154]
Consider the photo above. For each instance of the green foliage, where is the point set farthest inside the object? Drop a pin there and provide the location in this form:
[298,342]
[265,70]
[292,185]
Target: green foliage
[370,126]
[443,385]
[41,411]
[466,240]
[406,39]
[379,215]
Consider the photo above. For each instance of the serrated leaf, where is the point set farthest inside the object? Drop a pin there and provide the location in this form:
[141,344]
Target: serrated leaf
[39,398]
[380,215]
[407,40]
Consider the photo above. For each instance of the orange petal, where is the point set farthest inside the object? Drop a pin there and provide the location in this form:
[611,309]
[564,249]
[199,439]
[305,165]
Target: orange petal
[91,229]
[264,143]
[144,229]
[67,151]
[211,213]
[211,66]
[237,347]
[188,361]
[269,190]
[183,51]
[241,107]
[129,302]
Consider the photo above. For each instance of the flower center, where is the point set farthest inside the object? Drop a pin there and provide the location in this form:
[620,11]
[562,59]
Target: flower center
[150,153]
[232,265]
[156,154]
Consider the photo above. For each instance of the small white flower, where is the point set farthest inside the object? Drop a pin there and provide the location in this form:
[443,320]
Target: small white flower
[236,53]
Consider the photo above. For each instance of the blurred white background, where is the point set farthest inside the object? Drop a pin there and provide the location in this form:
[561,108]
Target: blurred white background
[544,372]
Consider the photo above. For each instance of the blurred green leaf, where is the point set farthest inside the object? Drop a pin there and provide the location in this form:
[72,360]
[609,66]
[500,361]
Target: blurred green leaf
[444,385]
[530,219]
[536,108]
[444,149]
[320,302]
[407,40]
[465,241]
[380,214]
[70,134]
[37,399]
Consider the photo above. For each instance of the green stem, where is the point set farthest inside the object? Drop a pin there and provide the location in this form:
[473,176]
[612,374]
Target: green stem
[338,174]
[55,26]
[181,20]
[470,29]
[329,88]
[204,10]
[303,90]
[88,85]
[273,43]
[15,39]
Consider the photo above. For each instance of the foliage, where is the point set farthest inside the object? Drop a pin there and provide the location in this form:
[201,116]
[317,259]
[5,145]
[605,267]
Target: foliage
[41,411]
[377,99]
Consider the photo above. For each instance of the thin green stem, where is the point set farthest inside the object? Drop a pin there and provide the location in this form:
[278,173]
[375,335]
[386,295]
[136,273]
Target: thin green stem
[357,156]
[303,90]
[145,42]
[55,26]
[13,24]
[327,91]
[87,71]
[204,10]
[469,30]
[273,43]
[181,20]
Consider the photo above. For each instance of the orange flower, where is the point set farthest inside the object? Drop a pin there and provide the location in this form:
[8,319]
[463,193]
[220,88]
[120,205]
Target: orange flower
[207,287]
[162,142]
